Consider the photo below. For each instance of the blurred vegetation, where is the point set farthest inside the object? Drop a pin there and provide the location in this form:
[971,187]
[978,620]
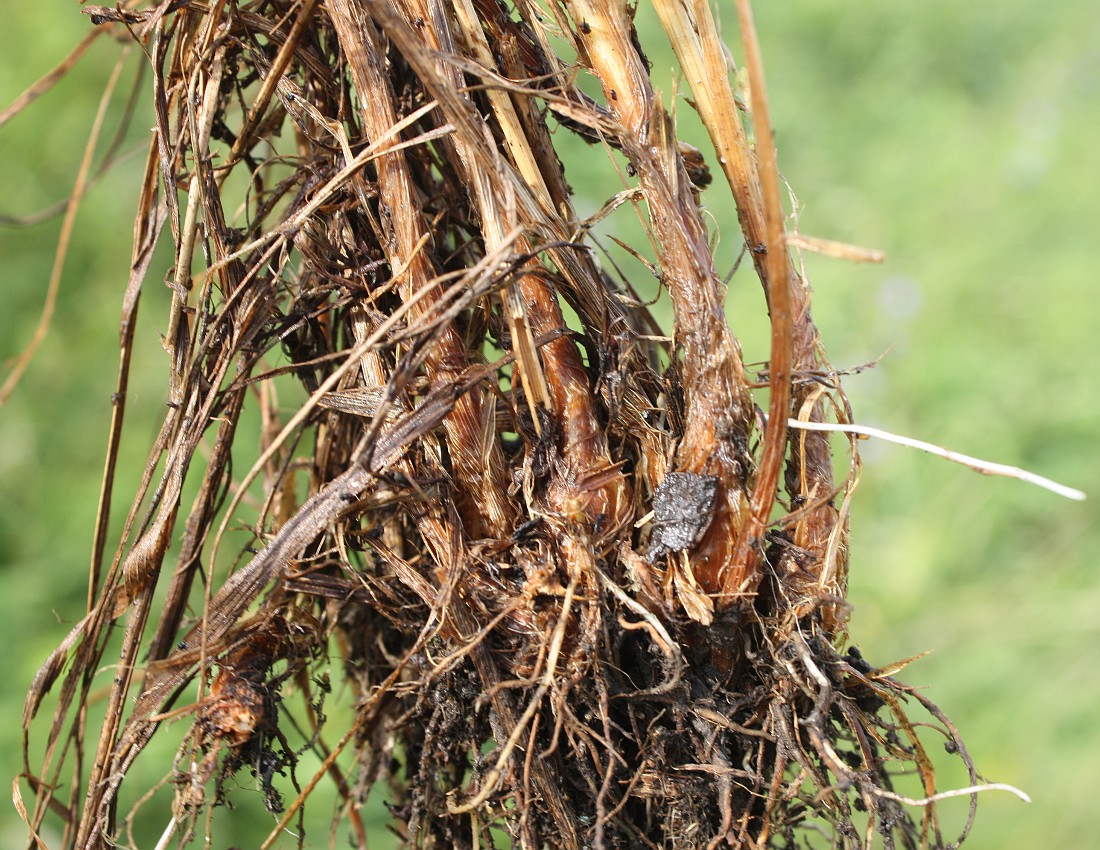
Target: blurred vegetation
[960,138]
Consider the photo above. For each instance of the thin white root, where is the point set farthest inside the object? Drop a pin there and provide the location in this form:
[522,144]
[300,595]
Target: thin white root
[985,467]
[166,836]
[957,792]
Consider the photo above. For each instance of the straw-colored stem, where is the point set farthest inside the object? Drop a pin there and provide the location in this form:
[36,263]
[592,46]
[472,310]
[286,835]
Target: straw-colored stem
[531,302]
[694,36]
[478,465]
[718,414]
[779,304]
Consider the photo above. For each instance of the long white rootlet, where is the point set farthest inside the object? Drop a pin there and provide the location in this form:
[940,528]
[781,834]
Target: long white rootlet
[985,467]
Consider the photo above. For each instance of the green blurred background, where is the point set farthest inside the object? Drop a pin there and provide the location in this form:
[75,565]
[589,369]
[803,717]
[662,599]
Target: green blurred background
[961,138]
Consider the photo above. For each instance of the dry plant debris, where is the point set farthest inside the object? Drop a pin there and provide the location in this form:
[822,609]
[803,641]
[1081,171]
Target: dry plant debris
[586,593]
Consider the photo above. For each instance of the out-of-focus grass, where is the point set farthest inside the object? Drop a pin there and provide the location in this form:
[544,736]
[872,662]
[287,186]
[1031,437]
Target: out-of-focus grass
[960,138]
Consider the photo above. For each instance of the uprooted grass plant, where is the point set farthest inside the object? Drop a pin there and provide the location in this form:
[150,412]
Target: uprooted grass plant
[585,590]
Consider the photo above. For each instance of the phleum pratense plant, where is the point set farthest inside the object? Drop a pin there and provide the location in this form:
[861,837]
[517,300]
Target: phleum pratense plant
[584,590]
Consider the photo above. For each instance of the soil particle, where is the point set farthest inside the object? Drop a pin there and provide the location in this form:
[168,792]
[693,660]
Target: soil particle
[682,508]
